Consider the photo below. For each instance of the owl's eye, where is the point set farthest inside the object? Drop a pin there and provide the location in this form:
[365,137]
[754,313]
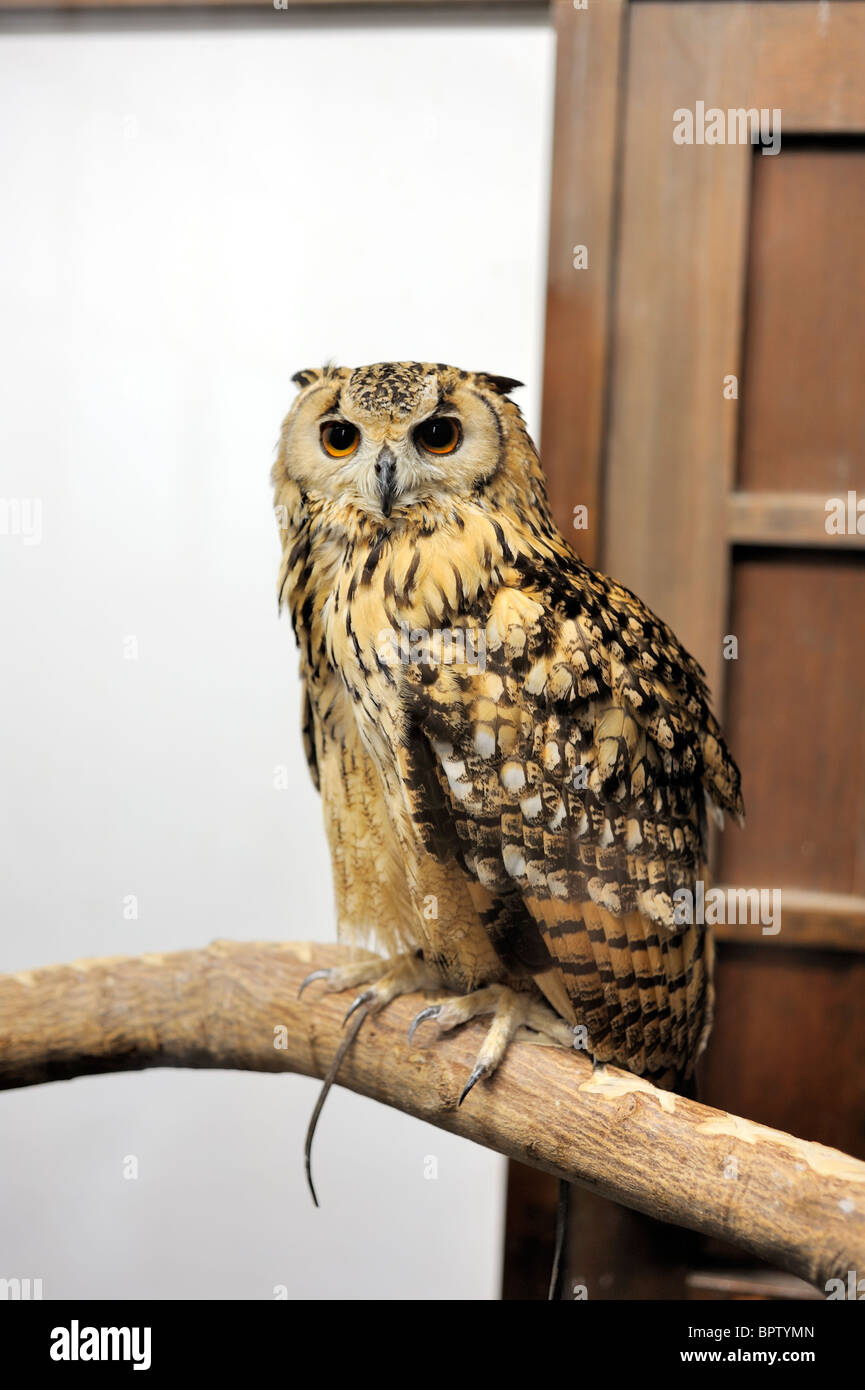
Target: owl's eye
[440,435]
[339,438]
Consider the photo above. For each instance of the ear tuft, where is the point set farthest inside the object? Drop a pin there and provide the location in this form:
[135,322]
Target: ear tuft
[306,377]
[503,384]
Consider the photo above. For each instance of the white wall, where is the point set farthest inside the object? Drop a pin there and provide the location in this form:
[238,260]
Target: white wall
[195,207]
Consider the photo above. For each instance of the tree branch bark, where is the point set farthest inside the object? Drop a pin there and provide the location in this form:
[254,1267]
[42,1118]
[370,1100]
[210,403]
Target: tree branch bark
[799,1205]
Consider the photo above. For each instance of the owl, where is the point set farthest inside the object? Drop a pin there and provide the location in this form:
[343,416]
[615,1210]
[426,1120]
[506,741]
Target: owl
[516,757]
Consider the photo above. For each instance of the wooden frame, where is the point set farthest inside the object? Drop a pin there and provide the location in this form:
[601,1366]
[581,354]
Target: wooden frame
[56,6]
[590,48]
[660,481]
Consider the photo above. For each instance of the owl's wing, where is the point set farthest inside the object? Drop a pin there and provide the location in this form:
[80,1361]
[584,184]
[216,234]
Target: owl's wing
[307,731]
[577,755]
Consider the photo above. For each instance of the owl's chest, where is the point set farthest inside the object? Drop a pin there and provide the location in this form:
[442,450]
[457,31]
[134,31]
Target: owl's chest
[359,620]
[396,616]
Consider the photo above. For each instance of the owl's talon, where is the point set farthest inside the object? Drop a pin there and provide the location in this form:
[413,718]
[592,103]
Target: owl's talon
[432,1012]
[480,1069]
[315,975]
[511,1010]
[338,978]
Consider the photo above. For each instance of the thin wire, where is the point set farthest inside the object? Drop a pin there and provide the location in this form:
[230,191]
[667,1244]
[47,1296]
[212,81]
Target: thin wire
[347,1040]
[562,1212]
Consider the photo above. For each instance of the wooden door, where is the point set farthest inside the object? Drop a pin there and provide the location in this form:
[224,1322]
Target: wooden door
[705,397]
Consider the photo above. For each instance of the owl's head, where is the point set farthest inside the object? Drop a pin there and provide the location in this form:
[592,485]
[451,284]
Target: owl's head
[399,435]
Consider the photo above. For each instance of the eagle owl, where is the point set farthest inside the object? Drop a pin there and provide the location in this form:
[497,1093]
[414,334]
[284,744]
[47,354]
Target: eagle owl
[515,756]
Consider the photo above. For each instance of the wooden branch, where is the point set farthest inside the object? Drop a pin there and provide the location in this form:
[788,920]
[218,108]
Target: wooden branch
[234,1005]
[430,5]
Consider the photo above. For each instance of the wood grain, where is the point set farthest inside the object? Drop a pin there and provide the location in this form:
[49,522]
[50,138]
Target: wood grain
[787,518]
[788,1047]
[679,304]
[586,166]
[829,921]
[803,408]
[800,1205]
[796,720]
[435,5]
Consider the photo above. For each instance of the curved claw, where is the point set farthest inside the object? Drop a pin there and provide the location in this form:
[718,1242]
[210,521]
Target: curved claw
[316,975]
[361,999]
[479,1071]
[432,1012]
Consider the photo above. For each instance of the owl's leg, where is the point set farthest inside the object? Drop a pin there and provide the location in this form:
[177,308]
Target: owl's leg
[385,978]
[511,1011]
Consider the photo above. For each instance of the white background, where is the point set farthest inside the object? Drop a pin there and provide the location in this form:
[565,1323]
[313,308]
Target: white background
[194,207]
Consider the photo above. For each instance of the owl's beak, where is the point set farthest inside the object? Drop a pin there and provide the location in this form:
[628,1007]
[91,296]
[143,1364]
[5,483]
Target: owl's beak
[385,472]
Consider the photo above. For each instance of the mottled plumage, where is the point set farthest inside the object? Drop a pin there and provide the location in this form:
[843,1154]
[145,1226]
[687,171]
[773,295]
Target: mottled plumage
[515,755]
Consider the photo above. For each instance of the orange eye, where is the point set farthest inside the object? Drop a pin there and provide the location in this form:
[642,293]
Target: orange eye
[339,438]
[440,435]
